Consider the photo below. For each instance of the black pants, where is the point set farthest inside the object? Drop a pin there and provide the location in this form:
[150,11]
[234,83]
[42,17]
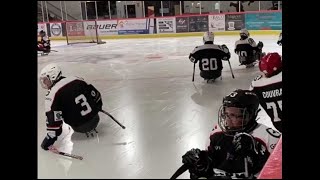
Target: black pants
[210,74]
[88,126]
[250,59]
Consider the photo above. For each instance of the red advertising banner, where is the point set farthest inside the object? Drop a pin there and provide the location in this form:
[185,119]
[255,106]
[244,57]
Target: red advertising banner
[75,28]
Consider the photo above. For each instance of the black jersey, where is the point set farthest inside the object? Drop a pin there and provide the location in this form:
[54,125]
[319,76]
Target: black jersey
[246,49]
[73,101]
[220,149]
[210,56]
[269,91]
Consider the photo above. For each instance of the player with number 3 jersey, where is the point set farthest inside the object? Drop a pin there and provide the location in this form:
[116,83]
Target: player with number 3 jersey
[70,100]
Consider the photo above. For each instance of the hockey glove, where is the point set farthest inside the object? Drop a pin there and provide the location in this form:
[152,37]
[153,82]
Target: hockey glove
[192,59]
[260,45]
[199,163]
[244,144]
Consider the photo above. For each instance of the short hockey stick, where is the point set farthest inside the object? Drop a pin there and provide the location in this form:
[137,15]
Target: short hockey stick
[123,127]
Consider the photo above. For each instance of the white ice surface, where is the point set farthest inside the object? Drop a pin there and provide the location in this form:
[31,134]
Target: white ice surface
[145,84]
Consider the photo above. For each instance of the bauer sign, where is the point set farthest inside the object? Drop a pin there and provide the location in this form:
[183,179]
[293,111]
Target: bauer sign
[108,27]
[166,25]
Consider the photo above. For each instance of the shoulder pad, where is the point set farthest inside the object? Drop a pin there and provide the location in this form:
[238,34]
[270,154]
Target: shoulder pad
[273,133]
[250,40]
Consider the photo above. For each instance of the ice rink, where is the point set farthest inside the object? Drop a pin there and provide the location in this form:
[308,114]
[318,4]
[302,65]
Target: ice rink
[147,85]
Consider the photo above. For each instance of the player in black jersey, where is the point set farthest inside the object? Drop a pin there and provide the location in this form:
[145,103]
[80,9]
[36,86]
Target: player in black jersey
[247,49]
[268,87]
[70,100]
[44,43]
[209,56]
[279,42]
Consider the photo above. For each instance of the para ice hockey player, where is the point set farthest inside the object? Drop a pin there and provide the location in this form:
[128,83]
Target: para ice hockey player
[44,43]
[279,42]
[247,49]
[268,87]
[239,147]
[70,100]
[210,57]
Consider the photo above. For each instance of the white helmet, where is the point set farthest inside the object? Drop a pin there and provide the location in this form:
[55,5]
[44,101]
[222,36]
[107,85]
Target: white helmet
[244,33]
[208,36]
[49,74]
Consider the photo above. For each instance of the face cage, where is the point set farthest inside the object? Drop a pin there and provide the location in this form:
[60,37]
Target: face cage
[222,121]
[243,36]
[45,82]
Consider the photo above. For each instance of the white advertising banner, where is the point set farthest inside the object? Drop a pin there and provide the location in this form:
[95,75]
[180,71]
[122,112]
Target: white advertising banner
[42,26]
[136,26]
[166,25]
[107,27]
[55,29]
[89,29]
[217,22]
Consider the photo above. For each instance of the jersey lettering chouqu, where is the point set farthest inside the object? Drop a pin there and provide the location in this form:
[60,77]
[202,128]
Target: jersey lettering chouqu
[220,149]
[210,56]
[71,101]
[269,91]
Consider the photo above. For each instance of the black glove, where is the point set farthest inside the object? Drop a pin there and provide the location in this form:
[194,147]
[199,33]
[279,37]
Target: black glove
[224,47]
[260,45]
[47,142]
[191,157]
[192,59]
[199,163]
[279,43]
[244,145]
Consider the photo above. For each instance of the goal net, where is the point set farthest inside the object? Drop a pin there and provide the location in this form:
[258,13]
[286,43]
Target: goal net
[82,32]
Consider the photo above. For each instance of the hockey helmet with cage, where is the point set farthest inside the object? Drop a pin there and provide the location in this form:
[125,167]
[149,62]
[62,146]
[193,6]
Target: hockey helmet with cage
[49,75]
[238,112]
[208,37]
[244,34]
[270,64]
[42,33]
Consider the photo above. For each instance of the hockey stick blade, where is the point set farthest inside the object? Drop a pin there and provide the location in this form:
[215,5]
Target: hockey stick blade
[180,171]
[68,155]
[123,127]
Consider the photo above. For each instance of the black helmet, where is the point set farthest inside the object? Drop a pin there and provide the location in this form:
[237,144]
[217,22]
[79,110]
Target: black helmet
[42,33]
[241,108]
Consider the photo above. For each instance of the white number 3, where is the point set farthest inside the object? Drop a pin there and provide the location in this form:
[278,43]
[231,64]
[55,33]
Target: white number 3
[83,104]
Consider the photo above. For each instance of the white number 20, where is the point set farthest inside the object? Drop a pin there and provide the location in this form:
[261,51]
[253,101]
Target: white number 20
[209,64]
[84,103]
